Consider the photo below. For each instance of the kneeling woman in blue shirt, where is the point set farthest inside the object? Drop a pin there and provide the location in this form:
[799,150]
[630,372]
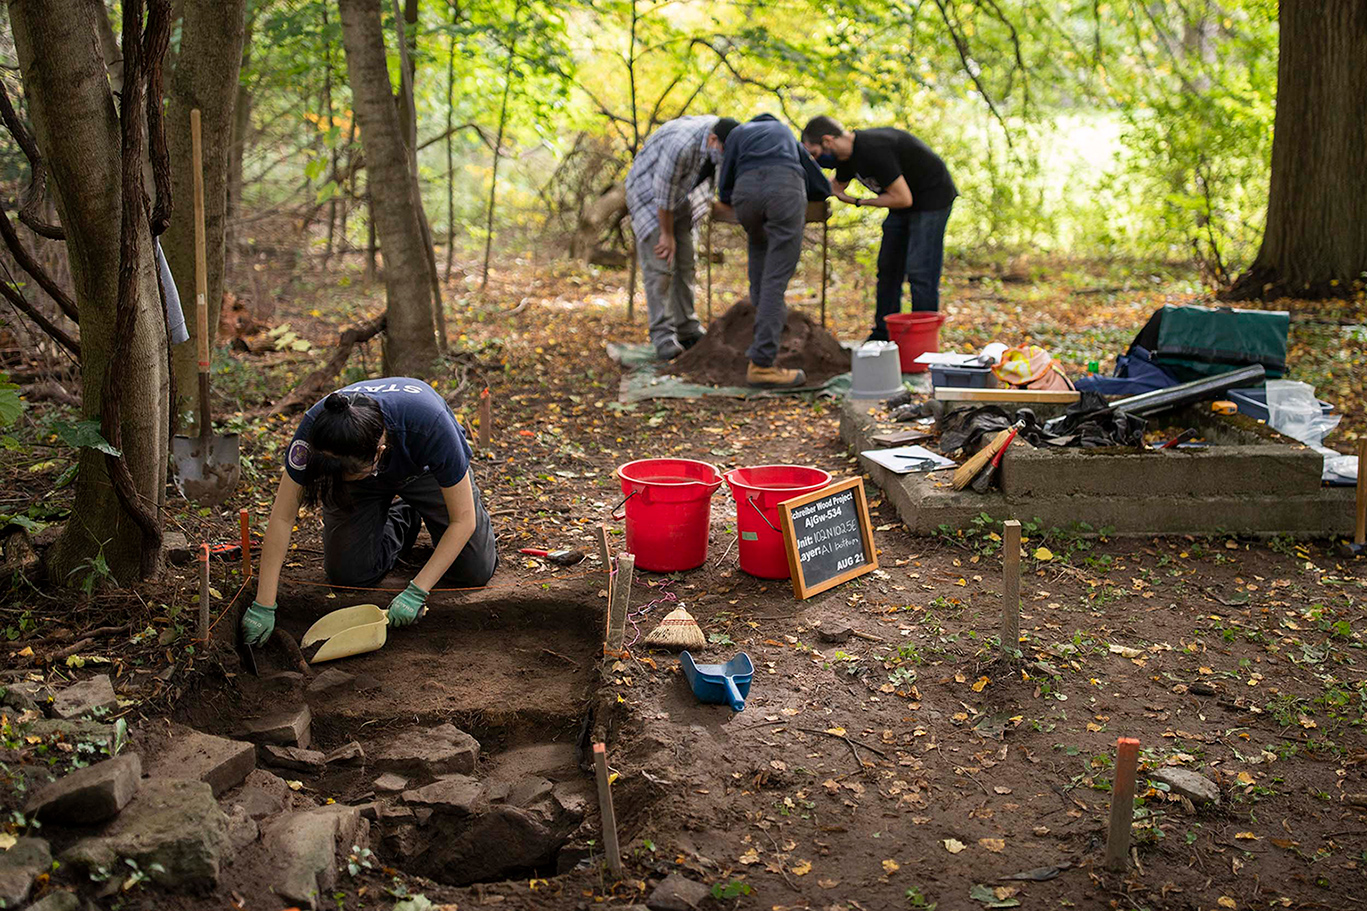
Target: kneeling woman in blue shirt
[380,457]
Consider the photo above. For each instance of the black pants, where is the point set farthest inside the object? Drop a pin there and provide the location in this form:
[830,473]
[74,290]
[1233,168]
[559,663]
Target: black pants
[363,541]
[913,251]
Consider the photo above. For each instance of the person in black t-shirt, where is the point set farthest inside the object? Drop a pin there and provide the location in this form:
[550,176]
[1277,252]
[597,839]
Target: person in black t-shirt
[913,184]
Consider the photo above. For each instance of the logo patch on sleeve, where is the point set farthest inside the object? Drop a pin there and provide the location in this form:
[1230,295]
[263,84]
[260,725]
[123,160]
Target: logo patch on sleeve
[298,457]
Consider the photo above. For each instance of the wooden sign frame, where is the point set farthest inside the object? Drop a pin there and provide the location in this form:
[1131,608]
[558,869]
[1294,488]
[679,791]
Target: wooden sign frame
[801,590]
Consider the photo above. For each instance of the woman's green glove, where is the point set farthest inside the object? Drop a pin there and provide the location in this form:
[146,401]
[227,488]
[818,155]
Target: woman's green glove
[408,606]
[257,623]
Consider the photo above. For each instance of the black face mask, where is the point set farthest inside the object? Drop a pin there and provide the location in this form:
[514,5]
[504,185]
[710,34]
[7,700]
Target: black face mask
[827,160]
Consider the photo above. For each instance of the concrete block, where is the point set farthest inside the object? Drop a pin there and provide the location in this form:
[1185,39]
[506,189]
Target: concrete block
[84,698]
[90,795]
[289,727]
[223,764]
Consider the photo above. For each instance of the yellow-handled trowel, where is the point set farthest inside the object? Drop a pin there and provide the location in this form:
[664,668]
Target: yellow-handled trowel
[349,631]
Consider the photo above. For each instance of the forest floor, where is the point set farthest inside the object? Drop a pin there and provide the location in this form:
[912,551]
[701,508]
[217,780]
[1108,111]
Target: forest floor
[901,766]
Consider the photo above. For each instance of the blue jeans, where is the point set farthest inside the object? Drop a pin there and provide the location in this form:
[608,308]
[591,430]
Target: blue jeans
[913,251]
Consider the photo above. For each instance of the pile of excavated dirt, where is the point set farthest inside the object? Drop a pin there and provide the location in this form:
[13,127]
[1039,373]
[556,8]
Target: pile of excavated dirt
[719,359]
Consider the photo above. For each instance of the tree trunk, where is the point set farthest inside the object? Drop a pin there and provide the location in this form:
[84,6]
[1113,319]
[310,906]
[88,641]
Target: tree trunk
[498,144]
[410,342]
[76,126]
[1315,242]
[237,149]
[450,159]
[212,34]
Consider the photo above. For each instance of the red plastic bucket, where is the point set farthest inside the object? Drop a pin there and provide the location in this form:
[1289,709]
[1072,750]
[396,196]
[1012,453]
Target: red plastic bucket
[915,334]
[668,509]
[758,491]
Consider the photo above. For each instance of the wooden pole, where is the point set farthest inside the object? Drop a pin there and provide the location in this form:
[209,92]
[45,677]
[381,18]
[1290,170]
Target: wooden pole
[611,851]
[486,421]
[244,526]
[1122,804]
[1011,587]
[204,592]
[631,279]
[1360,535]
[618,602]
[825,262]
[709,269]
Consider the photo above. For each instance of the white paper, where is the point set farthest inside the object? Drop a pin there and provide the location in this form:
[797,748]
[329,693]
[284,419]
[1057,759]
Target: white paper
[891,458]
[947,359]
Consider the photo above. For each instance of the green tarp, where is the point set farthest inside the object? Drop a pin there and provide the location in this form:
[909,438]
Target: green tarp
[1196,342]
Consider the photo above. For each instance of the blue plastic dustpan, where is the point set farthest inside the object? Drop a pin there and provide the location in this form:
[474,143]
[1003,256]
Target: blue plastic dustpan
[721,684]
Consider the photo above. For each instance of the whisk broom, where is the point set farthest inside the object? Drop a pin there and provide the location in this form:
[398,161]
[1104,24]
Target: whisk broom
[678,630]
[966,472]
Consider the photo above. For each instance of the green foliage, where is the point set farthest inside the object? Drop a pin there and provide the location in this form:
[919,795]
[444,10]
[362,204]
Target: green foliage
[83,435]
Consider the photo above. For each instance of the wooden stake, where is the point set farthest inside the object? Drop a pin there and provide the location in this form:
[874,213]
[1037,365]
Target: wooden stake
[825,261]
[619,601]
[204,592]
[244,525]
[1011,587]
[1360,535]
[1122,804]
[486,421]
[605,553]
[611,851]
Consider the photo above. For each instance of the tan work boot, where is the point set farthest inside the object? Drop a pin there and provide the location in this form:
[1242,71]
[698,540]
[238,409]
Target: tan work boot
[773,377]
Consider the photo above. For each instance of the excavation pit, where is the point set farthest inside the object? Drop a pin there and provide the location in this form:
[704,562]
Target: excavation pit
[472,727]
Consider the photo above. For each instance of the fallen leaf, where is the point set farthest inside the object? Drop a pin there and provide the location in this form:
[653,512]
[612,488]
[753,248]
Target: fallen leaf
[837,731]
[995,845]
[1093,727]
[7,841]
[749,857]
[954,846]
[1000,789]
[1224,901]
[828,883]
[989,897]
[1248,836]
[1126,651]
[1244,778]
[1043,554]
[982,682]
[891,866]
[802,868]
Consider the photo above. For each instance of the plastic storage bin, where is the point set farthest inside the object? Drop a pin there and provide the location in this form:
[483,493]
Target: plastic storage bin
[1253,402]
[970,377]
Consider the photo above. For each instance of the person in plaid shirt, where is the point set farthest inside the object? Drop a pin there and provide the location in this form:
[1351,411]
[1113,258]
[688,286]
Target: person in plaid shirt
[669,188]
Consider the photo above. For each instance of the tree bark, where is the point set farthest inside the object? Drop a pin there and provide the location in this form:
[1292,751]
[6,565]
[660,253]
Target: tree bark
[237,148]
[1315,242]
[206,77]
[77,128]
[410,340]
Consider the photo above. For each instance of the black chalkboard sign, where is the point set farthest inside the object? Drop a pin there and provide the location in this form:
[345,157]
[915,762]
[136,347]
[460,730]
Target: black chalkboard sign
[828,537]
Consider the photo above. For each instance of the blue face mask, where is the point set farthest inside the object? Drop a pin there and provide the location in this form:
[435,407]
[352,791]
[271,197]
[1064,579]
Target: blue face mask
[827,160]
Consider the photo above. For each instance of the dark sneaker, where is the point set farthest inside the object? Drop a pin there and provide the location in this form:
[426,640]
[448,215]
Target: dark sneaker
[692,340]
[668,350]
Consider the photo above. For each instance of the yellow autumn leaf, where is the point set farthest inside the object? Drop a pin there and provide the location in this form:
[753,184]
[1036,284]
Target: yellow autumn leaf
[828,883]
[837,731]
[995,845]
[1248,836]
[954,846]
[1043,554]
[982,682]
[7,841]
[749,857]
[1244,778]
[1224,901]
[891,866]
[1093,727]
[802,868]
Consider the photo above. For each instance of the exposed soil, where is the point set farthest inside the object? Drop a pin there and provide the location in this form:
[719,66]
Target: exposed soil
[719,359]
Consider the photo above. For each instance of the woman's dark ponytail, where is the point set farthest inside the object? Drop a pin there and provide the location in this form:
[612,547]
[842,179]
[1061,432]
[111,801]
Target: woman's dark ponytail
[343,440]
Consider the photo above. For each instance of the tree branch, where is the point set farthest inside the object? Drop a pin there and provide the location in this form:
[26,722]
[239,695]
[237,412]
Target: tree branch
[34,194]
[51,329]
[156,39]
[961,45]
[35,269]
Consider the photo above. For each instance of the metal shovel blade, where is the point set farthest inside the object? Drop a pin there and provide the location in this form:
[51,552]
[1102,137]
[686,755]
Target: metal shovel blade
[349,631]
[206,478]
